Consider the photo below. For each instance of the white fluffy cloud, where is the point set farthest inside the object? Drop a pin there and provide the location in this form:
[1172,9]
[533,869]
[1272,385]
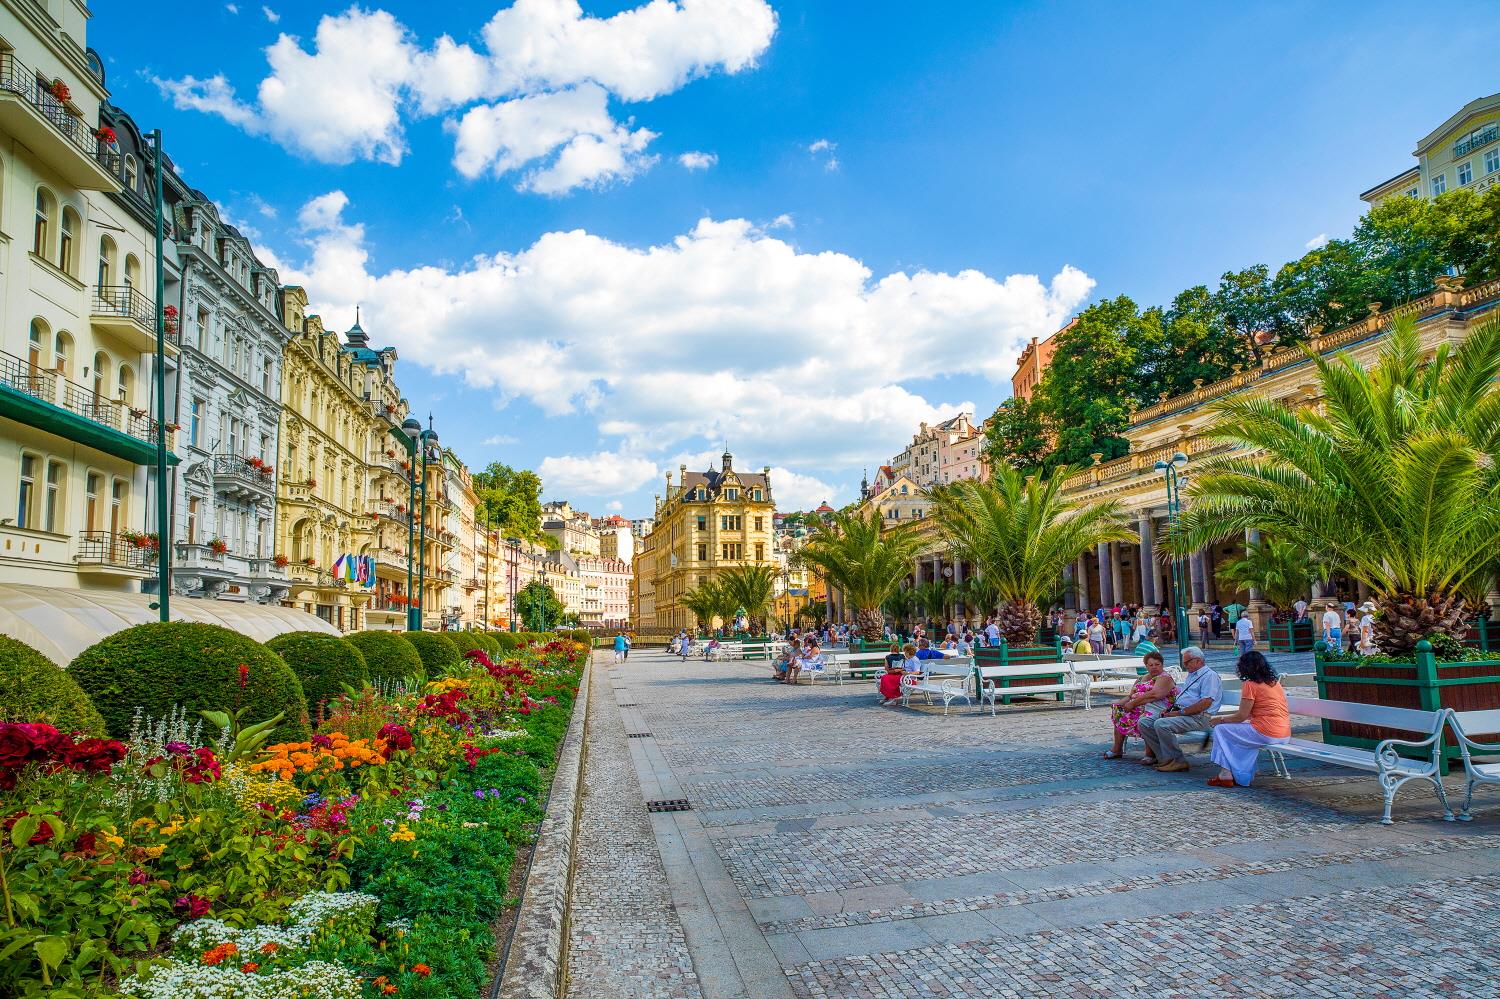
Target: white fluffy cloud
[1317,242]
[698,161]
[603,474]
[726,333]
[795,491]
[537,94]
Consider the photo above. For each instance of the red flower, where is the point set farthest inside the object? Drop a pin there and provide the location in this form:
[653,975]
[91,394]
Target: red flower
[204,769]
[244,675]
[421,969]
[249,967]
[139,876]
[396,737]
[93,756]
[192,906]
[85,843]
[322,741]
[42,834]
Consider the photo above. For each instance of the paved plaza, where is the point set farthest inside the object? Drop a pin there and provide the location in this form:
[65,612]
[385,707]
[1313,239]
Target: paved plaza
[834,848]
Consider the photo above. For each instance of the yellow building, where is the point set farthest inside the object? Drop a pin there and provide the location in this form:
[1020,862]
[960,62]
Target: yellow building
[337,479]
[1462,152]
[707,522]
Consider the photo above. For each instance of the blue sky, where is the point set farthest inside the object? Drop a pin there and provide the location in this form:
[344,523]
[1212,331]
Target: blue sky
[881,200]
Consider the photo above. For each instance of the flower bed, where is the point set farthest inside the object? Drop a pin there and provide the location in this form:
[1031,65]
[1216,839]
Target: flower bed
[370,859]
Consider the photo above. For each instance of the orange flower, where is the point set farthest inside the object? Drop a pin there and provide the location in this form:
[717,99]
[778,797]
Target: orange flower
[217,955]
[270,948]
[249,967]
[388,990]
[421,969]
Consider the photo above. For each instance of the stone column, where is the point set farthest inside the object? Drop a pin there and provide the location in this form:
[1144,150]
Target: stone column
[1210,586]
[1081,576]
[1101,557]
[1116,574]
[1070,598]
[1259,610]
[1148,561]
[1195,583]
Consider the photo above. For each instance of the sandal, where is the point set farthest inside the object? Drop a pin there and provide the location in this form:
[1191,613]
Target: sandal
[1221,782]
[1110,754]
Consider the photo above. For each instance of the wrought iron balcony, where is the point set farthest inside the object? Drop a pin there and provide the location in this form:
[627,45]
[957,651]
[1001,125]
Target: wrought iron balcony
[1466,146]
[51,387]
[109,552]
[234,475]
[31,111]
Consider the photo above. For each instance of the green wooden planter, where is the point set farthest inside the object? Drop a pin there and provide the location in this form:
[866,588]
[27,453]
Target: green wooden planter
[1424,684]
[1483,634]
[1006,654]
[1290,636]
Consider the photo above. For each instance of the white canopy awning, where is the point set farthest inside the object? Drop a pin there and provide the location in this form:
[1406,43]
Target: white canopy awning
[61,623]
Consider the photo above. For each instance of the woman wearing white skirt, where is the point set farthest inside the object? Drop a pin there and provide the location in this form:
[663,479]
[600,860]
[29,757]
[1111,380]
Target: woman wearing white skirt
[1262,720]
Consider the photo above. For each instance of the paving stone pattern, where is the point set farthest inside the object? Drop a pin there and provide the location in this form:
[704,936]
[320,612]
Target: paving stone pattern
[887,853]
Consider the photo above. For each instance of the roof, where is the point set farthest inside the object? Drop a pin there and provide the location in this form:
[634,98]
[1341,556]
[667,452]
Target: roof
[713,477]
[825,508]
[1469,110]
[1411,173]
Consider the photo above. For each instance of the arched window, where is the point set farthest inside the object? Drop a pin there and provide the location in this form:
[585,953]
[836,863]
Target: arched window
[125,386]
[132,174]
[36,345]
[101,377]
[106,262]
[132,271]
[119,496]
[93,485]
[62,354]
[66,251]
[41,234]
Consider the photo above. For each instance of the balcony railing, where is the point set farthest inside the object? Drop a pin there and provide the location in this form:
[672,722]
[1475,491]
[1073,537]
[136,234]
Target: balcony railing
[124,302]
[17,78]
[115,550]
[234,471]
[51,387]
[1466,146]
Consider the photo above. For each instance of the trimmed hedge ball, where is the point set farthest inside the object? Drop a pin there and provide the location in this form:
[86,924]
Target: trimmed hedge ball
[201,667]
[439,655]
[390,657]
[324,663]
[33,688]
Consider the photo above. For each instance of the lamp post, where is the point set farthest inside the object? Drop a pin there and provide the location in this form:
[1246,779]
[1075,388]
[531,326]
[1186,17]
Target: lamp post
[429,442]
[515,555]
[1174,511]
[409,432]
[163,498]
[489,558]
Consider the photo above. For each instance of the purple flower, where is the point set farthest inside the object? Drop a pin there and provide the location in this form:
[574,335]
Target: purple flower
[521,799]
[479,795]
[178,748]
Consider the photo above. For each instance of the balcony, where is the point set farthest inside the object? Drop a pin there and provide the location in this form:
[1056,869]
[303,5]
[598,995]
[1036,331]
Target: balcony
[48,127]
[1466,146]
[312,576]
[387,559]
[237,478]
[105,553]
[124,312]
[48,401]
[390,511]
[266,570]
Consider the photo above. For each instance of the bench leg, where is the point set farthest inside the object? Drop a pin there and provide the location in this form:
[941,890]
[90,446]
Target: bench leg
[1464,816]
[1442,793]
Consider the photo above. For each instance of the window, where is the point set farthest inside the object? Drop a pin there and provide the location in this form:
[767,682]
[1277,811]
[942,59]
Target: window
[732,551]
[62,354]
[895,513]
[1492,161]
[65,252]
[92,483]
[731,523]
[132,271]
[101,380]
[703,553]
[731,494]
[117,497]
[265,376]
[52,501]
[1414,192]
[903,489]
[1466,173]
[106,262]
[195,424]
[265,447]
[126,384]
[702,522]
[756,495]
[760,523]
[41,233]
[25,500]
[760,552]
[202,328]
[192,520]
[1439,184]
[132,173]
[36,345]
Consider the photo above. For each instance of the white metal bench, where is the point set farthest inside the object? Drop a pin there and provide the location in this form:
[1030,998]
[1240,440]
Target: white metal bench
[989,682]
[949,687]
[1467,724]
[1390,767]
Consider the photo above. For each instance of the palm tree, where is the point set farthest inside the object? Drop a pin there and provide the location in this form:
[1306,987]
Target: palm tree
[861,557]
[705,601]
[1395,484]
[1281,572]
[1019,532]
[753,590]
[980,595]
[898,606]
[933,599]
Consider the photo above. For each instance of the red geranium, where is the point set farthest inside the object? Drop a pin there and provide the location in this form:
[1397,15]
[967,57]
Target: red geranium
[395,737]
[93,756]
[43,832]
[203,769]
[192,906]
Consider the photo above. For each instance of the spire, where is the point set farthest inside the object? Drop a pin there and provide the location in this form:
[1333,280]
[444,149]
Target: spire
[356,336]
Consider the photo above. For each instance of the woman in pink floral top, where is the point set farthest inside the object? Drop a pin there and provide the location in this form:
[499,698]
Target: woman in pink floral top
[1150,697]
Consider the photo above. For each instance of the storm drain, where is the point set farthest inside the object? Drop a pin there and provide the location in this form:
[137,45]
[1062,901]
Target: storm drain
[630,705]
[669,805]
[638,735]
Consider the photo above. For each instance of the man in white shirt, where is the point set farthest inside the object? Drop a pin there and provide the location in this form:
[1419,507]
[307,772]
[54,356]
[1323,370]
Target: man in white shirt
[992,633]
[1244,633]
[1333,631]
[1198,697]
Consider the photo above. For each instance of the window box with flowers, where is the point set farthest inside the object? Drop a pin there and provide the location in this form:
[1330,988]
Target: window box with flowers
[218,546]
[60,90]
[107,138]
[310,562]
[280,561]
[169,320]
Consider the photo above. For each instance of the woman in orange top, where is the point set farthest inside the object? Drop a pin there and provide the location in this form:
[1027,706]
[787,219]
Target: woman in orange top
[1262,720]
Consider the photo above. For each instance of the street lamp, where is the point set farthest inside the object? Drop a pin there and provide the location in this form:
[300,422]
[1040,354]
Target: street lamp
[429,440]
[163,494]
[411,430]
[1174,511]
[515,555]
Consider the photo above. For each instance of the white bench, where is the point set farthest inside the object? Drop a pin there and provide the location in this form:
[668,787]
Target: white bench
[988,682]
[1391,768]
[948,686]
[1477,723]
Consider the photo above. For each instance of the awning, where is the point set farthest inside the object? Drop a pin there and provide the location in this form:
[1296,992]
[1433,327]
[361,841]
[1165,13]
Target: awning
[53,419]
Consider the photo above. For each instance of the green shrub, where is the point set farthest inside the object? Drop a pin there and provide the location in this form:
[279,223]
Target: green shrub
[33,688]
[389,657]
[198,666]
[509,641]
[490,642]
[324,664]
[466,641]
[439,655]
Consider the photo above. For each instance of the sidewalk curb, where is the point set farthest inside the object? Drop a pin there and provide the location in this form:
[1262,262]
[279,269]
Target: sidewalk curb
[536,967]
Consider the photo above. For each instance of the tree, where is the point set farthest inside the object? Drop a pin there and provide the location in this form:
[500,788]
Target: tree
[703,601]
[511,500]
[1397,486]
[1279,571]
[1248,304]
[538,606]
[934,598]
[1019,532]
[1085,395]
[861,557]
[1015,435]
[753,590]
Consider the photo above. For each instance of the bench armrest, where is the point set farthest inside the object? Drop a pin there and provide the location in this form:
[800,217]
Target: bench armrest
[1385,750]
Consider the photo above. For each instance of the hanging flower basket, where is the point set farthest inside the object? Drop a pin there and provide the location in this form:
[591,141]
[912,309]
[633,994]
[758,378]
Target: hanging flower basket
[280,561]
[169,320]
[60,90]
[106,135]
[218,546]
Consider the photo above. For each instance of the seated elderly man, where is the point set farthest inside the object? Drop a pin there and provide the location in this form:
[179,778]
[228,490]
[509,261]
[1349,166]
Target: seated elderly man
[1192,710]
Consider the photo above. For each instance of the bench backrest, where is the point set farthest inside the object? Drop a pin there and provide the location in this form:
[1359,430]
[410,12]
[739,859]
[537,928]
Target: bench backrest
[1405,719]
[1021,671]
[1472,723]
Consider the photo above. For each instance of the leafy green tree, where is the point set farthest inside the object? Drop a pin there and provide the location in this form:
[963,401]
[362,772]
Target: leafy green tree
[1279,571]
[538,606]
[859,556]
[934,598]
[1397,485]
[1086,394]
[1019,532]
[1015,435]
[1247,302]
[753,590]
[510,499]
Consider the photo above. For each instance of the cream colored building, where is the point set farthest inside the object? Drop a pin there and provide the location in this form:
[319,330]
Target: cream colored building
[707,522]
[573,529]
[606,591]
[1462,152]
[77,432]
[950,447]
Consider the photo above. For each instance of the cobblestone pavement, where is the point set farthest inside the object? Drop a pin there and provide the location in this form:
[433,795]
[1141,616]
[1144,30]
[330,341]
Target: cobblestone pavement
[890,853]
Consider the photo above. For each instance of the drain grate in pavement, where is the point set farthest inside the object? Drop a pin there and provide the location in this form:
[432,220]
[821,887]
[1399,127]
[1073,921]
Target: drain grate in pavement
[669,805]
[639,735]
[630,705]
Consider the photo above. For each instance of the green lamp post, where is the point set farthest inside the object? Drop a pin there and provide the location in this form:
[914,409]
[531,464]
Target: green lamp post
[1174,511]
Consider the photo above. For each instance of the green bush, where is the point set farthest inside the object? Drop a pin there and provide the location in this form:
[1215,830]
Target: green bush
[490,642]
[198,666]
[466,641]
[389,657]
[324,663]
[33,688]
[509,641]
[439,655]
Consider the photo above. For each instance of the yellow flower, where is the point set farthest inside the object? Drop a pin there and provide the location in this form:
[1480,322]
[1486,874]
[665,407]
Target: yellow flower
[402,834]
[155,851]
[111,839]
[171,830]
[145,823]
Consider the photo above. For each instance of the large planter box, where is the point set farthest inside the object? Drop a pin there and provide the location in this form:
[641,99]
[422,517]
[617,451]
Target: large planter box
[1040,656]
[1424,684]
[1483,634]
[1290,636]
